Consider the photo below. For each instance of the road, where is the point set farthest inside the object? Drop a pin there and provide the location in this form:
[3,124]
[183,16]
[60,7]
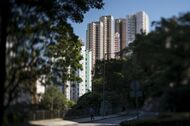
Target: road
[106,122]
[110,121]
[103,122]
[114,121]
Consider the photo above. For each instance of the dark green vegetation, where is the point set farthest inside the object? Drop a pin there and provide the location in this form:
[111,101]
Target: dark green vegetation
[81,109]
[164,119]
[36,39]
[54,99]
[160,61]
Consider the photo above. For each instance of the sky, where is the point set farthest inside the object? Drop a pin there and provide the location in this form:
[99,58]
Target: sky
[121,8]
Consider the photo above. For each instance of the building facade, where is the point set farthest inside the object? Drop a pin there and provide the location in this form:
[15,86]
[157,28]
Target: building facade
[94,41]
[88,71]
[108,36]
[142,22]
[100,39]
[78,89]
[117,42]
[120,27]
[136,24]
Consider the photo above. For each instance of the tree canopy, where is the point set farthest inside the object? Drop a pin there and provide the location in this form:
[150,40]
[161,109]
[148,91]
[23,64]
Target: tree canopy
[40,40]
[36,39]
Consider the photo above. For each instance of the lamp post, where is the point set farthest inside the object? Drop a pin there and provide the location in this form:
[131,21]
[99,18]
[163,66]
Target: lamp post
[104,87]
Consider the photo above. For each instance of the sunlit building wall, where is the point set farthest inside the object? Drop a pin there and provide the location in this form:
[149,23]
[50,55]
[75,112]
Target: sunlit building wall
[78,89]
[117,42]
[88,71]
[94,41]
[120,27]
[136,24]
[108,36]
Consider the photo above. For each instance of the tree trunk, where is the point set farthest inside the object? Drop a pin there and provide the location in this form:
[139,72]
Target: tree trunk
[4,15]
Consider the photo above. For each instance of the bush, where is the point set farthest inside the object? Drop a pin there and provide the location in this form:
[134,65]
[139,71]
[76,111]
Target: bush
[70,104]
[81,109]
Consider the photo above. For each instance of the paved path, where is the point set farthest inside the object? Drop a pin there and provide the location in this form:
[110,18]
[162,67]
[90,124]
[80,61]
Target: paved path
[111,120]
[53,122]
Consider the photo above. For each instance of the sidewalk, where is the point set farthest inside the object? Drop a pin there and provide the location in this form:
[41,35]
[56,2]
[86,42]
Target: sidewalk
[52,122]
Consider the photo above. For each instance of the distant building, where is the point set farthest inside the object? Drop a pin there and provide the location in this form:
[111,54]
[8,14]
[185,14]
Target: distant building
[100,39]
[67,89]
[108,36]
[94,41]
[136,24]
[40,87]
[142,22]
[120,27]
[117,42]
[88,71]
[78,89]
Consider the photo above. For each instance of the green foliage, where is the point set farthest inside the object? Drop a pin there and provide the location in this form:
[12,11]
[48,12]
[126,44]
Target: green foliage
[37,32]
[116,83]
[64,56]
[89,100]
[53,99]
[163,59]
[83,104]
[30,27]
[70,104]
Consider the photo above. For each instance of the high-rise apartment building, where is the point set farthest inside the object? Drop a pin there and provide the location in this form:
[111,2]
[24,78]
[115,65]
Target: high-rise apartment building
[108,36]
[100,39]
[117,42]
[95,41]
[136,24]
[78,89]
[120,27]
[131,28]
[88,71]
[142,22]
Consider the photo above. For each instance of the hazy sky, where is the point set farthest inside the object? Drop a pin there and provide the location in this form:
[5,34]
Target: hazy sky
[120,8]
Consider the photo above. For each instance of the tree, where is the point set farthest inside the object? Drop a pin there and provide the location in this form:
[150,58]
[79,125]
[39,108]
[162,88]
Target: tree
[53,99]
[63,58]
[164,61]
[90,99]
[116,83]
[36,22]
